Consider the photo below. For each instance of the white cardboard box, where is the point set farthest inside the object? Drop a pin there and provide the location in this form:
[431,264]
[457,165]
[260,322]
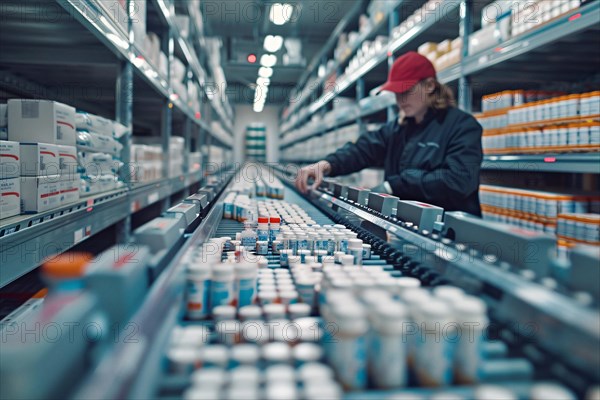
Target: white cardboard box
[69,190]
[10,197]
[67,161]
[10,160]
[39,159]
[40,193]
[41,121]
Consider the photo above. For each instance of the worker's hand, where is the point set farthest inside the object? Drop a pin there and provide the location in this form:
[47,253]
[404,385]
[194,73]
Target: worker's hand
[315,171]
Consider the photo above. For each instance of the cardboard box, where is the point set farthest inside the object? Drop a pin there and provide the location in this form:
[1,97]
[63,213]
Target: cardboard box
[39,159]
[3,133]
[40,193]
[10,160]
[69,191]
[41,121]
[10,197]
[427,48]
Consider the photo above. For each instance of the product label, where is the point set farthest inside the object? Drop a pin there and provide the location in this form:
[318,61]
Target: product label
[246,289]
[358,256]
[344,245]
[366,254]
[321,244]
[283,260]
[388,361]
[221,293]
[350,358]
[263,235]
[330,247]
[273,234]
[249,241]
[303,244]
[197,299]
[434,361]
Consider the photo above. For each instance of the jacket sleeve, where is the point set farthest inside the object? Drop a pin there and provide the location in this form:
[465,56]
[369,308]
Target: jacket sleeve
[458,177]
[367,152]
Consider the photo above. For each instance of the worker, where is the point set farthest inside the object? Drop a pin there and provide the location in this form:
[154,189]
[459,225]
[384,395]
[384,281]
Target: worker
[433,154]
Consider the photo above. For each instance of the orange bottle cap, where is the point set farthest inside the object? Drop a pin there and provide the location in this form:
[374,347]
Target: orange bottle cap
[67,265]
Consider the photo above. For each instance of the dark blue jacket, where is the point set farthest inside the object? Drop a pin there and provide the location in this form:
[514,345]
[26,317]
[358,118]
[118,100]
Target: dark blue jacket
[436,161]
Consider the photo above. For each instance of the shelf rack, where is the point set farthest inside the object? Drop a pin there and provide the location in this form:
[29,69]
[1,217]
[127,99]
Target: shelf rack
[475,74]
[85,54]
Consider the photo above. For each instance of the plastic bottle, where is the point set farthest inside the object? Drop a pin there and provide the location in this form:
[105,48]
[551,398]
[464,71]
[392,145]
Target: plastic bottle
[245,283]
[248,236]
[355,248]
[302,241]
[197,291]
[262,230]
[222,285]
[433,361]
[366,251]
[339,237]
[262,247]
[274,227]
[471,315]
[387,352]
[349,349]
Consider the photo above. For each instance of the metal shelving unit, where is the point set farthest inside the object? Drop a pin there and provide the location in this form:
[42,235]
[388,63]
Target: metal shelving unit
[92,61]
[584,163]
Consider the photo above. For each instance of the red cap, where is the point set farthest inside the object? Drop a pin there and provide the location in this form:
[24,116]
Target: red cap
[407,71]
[274,220]
[263,220]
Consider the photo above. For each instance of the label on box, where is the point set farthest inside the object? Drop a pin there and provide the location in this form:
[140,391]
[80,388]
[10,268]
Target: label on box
[39,159]
[39,194]
[10,197]
[10,160]
[67,162]
[69,191]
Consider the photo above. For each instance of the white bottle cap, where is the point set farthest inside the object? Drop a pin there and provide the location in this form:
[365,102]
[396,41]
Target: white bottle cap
[251,312]
[404,283]
[307,352]
[288,296]
[470,308]
[299,310]
[373,297]
[267,287]
[274,311]
[197,393]
[248,354]
[281,391]
[190,336]
[447,292]
[351,318]
[183,357]
[223,312]
[355,244]
[390,317]
[492,392]
[314,371]
[276,352]
[241,391]
[542,391]
[347,259]
[209,377]
[198,271]
[267,296]
[279,373]
[216,355]
[223,272]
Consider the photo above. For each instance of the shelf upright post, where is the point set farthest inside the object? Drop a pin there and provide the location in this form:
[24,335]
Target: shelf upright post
[124,116]
[167,112]
[360,94]
[187,135]
[393,21]
[465,91]
[208,134]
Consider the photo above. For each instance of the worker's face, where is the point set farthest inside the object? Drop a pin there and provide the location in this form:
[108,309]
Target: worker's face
[413,102]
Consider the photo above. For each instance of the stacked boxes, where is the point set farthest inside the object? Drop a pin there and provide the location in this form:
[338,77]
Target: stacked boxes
[98,154]
[176,150]
[444,54]
[146,162]
[10,185]
[45,132]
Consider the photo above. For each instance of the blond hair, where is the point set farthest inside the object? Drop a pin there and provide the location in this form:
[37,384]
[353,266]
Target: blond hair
[442,97]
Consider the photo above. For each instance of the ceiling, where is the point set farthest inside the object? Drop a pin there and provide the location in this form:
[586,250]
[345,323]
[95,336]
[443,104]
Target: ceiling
[242,26]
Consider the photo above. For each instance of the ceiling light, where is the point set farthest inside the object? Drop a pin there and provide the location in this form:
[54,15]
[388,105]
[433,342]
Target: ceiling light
[268,60]
[281,13]
[273,43]
[265,72]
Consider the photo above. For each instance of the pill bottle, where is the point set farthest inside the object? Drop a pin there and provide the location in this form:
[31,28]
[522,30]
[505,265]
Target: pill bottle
[222,285]
[246,283]
[366,251]
[276,247]
[387,351]
[355,248]
[348,259]
[305,286]
[339,237]
[302,241]
[284,257]
[262,230]
[248,236]
[471,315]
[433,357]
[405,283]
[274,227]
[303,253]
[349,352]
[262,247]
[197,291]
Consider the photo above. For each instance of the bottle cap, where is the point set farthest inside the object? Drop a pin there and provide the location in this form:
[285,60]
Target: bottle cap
[263,220]
[66,265]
